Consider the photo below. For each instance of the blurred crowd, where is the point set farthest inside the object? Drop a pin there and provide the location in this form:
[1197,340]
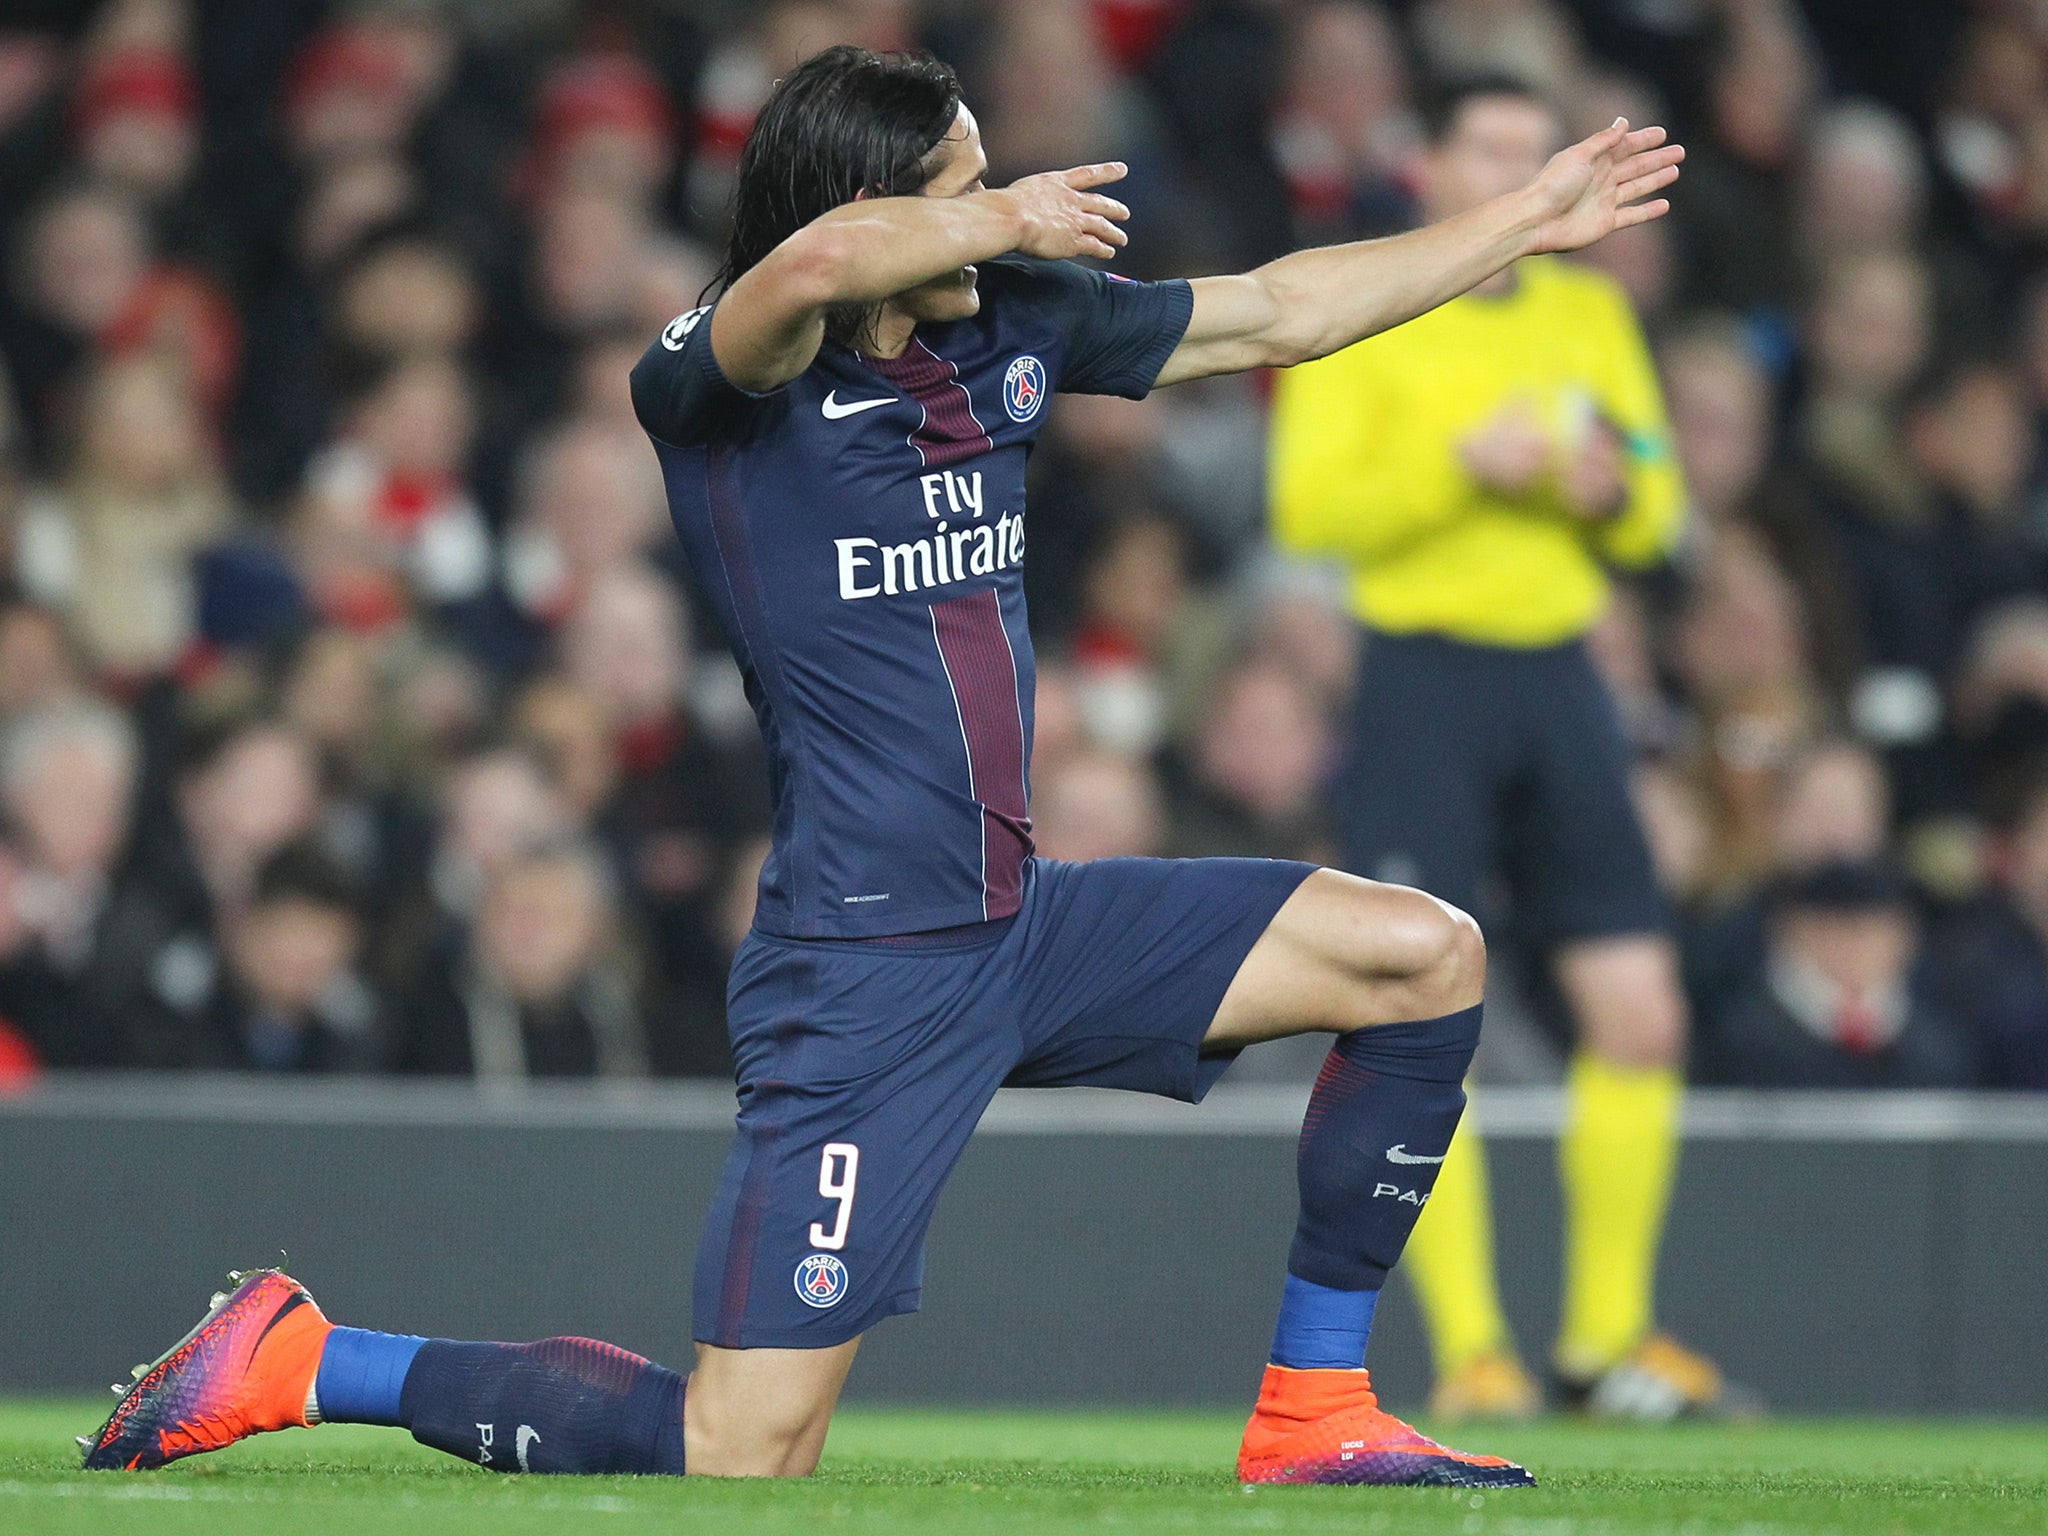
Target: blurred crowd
[356,715]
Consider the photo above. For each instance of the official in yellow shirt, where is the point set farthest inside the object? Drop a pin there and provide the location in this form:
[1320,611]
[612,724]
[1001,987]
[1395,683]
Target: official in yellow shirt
[1477,472]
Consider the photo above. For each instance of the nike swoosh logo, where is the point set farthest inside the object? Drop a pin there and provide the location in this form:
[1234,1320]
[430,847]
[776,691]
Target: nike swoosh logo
[527,1435]
[1399,1153]
[834,410]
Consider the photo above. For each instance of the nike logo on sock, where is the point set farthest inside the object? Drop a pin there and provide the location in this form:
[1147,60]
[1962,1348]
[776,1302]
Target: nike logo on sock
[1399,1153]
[834,410]
[527,1436]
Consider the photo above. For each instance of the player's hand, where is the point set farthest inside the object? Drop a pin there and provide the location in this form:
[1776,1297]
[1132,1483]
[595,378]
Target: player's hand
[1593,482]
[1510,453]
[1603,184]
[1064,216]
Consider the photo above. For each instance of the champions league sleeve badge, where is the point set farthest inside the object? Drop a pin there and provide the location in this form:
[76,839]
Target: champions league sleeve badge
[820,1281]
[677,331]
[1024,388]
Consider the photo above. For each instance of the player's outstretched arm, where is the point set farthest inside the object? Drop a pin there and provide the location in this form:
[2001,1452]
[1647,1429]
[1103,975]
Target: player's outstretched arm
[767,329]
[1313,303]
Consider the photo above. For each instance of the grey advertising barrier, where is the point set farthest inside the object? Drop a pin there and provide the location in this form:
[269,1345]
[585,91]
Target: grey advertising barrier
[1869,1253]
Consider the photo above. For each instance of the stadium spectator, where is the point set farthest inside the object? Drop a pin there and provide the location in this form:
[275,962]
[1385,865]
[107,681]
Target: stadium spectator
[1863,184]
[1346,128]
[1843,1001]
[685,798]
[603,124]
[1830,804]
[537,991]
[76,930]
[244,789]
[135,114]
[84,256]
[1098,805]
[1133,597]
[405,295]
[334,691]
[1989,119]
[112,545]
[1736,225]
[569,731]
[357,88]
[589,501]
[397,477]
[1993,955]
[1741,649]
[39,665]
[282,992]
[1252,782]
[1535,40]
[497,805]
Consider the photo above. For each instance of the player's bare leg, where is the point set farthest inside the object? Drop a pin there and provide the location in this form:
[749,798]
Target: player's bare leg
[1345,953]
[762,1412]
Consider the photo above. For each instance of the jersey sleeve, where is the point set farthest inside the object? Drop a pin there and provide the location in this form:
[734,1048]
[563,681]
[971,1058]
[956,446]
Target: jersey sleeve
[1119,333]
[680,393]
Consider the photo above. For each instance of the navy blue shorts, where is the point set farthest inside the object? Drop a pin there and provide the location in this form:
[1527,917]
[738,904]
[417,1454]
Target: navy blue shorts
[1467,761]
[863,1068]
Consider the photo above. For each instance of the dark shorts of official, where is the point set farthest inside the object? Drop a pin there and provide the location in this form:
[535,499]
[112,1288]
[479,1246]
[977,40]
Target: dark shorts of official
[864,1068]
[1470,761]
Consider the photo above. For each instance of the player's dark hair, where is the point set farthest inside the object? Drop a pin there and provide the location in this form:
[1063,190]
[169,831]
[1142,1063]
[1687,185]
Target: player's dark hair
[1442,105]
[844,122]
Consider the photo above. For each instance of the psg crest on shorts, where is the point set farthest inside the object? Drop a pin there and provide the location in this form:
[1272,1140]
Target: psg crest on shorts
[1024,388]
[821,1280]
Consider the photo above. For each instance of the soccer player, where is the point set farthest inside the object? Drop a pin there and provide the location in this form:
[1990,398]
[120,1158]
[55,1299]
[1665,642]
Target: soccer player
[844,434]
[1477,471]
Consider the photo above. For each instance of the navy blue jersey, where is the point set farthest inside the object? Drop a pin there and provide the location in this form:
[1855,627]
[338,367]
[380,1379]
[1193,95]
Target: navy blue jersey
[861,534]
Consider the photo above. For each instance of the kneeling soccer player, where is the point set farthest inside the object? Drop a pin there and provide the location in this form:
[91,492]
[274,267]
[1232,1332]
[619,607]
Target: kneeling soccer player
[844,434]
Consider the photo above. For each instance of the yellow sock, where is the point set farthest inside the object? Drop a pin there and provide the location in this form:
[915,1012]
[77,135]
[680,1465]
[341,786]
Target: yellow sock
[1449,1260]
[1615,1160]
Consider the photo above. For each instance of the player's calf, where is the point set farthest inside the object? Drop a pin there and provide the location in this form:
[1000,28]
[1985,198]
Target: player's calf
[762,1412]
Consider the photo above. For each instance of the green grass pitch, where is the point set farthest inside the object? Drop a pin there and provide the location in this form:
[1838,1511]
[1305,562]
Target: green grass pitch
[1030,1473]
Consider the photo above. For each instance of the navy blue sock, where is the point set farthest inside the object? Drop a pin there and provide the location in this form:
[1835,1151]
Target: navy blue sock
[1321,1328]
[559,1405]
[1378,1125]
[362,1374]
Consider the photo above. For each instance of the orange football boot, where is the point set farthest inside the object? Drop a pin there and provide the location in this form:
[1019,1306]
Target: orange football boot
[248,1367]
[1327,1427]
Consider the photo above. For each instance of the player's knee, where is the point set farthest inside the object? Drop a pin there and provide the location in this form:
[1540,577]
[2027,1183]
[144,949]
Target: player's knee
[1462,965]
[1465,961]
[1439,949]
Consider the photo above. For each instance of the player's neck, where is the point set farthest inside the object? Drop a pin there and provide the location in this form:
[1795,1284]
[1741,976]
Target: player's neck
[891,333]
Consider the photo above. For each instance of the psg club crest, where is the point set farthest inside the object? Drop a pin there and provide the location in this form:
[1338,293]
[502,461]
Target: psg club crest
[1024,388]
[821,1281]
